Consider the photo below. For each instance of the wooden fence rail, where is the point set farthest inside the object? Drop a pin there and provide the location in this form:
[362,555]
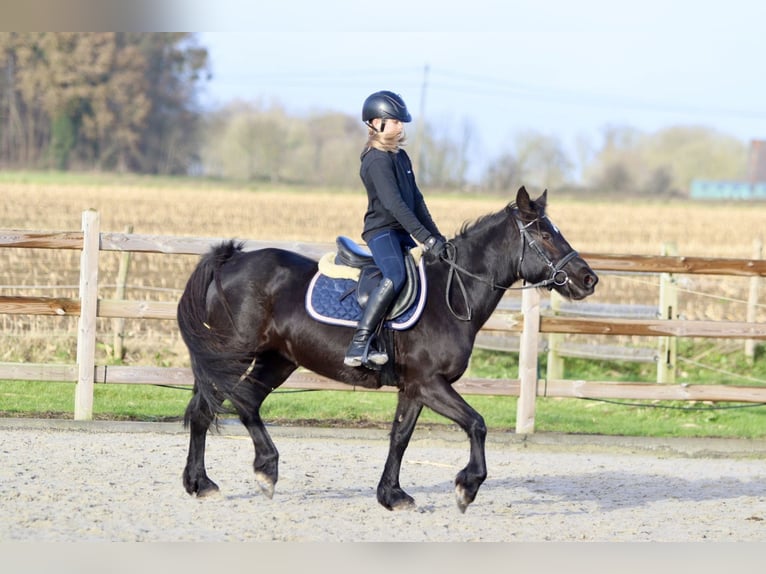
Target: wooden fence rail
[529,323]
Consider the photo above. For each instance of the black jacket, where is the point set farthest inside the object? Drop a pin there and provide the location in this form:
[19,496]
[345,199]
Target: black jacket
[393,198]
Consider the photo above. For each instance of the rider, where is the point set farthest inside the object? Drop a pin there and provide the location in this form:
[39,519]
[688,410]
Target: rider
[396,212]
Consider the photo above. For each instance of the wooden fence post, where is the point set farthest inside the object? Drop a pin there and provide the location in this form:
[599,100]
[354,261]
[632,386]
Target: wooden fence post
[752,300]
[668,309]
[119,324]
[86,330]
[525,407]
[555,369]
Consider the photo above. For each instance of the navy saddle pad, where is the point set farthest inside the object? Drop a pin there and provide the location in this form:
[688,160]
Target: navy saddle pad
[333,300]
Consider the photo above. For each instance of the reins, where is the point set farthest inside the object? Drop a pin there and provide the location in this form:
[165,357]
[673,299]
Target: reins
[558,275]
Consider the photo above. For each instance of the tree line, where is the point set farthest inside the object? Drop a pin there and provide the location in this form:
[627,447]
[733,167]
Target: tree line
[127,102]
[99,101]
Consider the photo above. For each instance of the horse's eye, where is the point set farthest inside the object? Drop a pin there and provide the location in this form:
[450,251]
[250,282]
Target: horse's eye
[546,236]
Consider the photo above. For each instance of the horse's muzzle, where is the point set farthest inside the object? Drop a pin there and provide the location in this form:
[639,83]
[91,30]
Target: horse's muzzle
[583,283]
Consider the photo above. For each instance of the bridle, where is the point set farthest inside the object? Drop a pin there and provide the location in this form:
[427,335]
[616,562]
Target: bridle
[557,277]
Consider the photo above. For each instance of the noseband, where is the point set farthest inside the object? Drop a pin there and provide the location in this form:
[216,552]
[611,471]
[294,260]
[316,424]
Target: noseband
[557,277]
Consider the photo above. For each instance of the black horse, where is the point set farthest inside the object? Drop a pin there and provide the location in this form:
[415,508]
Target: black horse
[243,319]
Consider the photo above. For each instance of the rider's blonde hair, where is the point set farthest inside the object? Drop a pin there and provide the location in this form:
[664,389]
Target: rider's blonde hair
[384,142]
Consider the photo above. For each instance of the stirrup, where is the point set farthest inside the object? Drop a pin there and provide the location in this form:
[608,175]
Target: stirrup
[356,352]
[370,356]
[353,360]
[376,357]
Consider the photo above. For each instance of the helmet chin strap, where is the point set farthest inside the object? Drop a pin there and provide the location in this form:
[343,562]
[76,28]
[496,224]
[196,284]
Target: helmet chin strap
[382,125]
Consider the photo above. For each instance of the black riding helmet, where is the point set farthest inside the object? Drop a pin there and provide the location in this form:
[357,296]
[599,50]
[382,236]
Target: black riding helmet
[386,105]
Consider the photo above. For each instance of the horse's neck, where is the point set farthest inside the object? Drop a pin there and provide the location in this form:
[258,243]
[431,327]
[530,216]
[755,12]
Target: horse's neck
[492,254]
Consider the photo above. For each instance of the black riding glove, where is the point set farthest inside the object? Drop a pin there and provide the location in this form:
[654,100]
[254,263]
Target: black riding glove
[435,245]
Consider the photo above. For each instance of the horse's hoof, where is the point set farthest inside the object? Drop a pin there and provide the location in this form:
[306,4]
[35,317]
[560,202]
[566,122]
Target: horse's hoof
[462,498]
[199,487]
[265,483]
[209,490]
[404,504]
[397,500]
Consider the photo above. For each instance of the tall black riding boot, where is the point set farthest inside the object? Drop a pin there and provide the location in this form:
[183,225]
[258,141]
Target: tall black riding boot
[360,351]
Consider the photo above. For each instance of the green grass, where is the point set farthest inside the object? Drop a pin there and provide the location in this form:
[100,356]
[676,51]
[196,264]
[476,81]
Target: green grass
[357,408]
[120,402]
[552,415]
[360,408]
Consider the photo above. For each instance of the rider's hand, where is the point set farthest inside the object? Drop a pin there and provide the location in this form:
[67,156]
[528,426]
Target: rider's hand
[435,245]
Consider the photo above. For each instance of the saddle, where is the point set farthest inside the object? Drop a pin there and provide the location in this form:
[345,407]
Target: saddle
[341,288]
[352,255]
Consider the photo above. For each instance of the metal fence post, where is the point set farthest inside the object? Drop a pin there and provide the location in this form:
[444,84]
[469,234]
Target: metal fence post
[668,310]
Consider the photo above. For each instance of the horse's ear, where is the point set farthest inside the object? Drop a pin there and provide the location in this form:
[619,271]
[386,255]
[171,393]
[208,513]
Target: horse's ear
[522,200]
[542,201]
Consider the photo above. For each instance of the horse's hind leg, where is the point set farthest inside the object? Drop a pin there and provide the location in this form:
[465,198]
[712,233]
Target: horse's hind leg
[266,462]
[199,416]
[268,373]
[390,493]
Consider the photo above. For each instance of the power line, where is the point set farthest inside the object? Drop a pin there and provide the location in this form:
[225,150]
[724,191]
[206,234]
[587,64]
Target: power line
[452,81]
[493,86]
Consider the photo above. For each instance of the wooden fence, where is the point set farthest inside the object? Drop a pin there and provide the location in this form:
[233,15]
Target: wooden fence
[528,324]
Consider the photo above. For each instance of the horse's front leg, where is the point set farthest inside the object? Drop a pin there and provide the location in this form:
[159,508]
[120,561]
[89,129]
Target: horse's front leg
[390,493]
[446,401]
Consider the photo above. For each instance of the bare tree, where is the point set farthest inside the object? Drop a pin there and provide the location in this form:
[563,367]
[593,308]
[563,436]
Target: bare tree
[542,160]
[502,174]
[444,161]
[336,141]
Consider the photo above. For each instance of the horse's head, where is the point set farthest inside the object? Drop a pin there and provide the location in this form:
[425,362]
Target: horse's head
[547,258]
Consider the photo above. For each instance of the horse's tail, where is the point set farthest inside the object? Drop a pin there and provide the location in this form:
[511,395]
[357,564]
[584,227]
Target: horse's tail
[209,350]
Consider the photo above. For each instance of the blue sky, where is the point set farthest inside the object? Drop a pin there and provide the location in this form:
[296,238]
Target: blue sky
[564,69]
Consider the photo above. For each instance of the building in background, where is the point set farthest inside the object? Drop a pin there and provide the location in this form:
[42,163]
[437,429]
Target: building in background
[752,187]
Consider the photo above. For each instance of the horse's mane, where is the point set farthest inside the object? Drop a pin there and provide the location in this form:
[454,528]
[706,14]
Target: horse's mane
[483,221]
[488,220]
